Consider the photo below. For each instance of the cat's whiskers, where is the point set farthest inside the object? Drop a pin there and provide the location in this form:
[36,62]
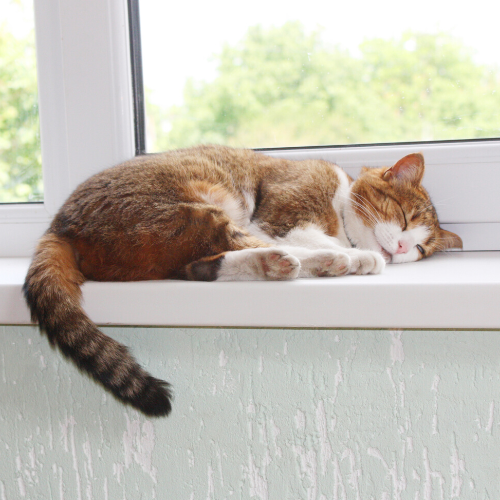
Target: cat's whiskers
[373,212]
[364,200]
[371,219]
[441,247]
[371,216]
[435,204]
[356,203]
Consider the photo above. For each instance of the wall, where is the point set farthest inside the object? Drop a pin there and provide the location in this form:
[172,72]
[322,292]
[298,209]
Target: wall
[264,414]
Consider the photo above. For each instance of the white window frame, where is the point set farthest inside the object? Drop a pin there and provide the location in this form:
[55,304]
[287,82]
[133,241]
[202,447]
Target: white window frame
[87,124]
[86,107]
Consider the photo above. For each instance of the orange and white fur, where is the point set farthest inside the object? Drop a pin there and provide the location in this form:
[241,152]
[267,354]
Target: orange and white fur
[216,213]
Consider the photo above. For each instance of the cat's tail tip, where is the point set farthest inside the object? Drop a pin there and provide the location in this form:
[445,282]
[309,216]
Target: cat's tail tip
[155,399]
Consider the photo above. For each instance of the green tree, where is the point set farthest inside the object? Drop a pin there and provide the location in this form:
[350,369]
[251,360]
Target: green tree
[433,86]
[20,157]
[284,87]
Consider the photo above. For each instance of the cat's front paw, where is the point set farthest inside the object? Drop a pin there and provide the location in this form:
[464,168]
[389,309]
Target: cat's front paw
[253,264]
[366,262]
[325,263]
[277,264]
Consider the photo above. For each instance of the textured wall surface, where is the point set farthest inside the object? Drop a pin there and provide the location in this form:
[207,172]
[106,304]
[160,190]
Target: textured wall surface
[259,414]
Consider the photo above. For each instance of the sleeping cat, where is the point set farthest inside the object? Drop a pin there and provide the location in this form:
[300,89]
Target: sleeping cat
[216,213]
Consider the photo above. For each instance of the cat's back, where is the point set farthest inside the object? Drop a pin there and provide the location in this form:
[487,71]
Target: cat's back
[141,187]
[165,172]
[137,187]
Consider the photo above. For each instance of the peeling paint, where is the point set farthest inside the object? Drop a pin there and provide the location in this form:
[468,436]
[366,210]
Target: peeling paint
[397,351]
[430,475]
[324,444]
[210,481]
[354,473]
[398,478]
[300,420]
[258,481]
[457,470]
[489,425]
[434,388]
[259,415]
[138,444]
[308,463]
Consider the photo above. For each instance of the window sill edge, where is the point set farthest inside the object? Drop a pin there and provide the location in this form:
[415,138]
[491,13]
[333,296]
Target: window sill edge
[457,290]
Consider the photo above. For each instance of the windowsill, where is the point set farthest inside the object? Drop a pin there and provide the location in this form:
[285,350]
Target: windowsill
[454,290]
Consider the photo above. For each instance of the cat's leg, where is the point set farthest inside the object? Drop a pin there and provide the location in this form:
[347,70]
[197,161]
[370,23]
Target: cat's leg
[313,238]
[250,264]
[365,261]
[230,253]
[320,262]
[336,261]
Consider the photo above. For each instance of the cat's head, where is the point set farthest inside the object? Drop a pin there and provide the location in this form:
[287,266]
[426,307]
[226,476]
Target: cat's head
[389,211]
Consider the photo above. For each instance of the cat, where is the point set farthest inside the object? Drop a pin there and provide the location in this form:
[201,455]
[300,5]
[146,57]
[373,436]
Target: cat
[217,213]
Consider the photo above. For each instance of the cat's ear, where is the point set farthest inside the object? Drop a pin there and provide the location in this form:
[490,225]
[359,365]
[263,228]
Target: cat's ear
[408,169]
[447,239]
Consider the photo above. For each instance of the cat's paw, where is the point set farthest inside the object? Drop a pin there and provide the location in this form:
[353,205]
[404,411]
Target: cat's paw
[366,262]
[325,263]
[278,264]
[258,264]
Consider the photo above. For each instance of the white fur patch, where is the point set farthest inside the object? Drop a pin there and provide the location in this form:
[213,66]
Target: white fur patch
[311,237]
[254,264]
[228,203]
[338,202]
[359,235]
[318,254]
[249,201]
[321,263]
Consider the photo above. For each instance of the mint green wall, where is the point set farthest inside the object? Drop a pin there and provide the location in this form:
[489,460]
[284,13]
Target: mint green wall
[264,414]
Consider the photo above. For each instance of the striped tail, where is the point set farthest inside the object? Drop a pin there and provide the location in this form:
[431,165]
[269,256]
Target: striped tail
[52,291]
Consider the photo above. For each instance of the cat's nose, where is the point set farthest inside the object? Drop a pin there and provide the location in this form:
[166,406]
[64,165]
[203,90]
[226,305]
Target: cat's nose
[402,247]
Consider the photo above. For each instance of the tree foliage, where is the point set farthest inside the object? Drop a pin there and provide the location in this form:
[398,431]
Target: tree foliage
[282,87]
[20,157]
[285,87]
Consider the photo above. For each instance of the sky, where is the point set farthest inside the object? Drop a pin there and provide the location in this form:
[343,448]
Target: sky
[179,39]
[18,16]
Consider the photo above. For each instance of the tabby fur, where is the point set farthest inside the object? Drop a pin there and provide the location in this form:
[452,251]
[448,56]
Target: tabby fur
[217,213]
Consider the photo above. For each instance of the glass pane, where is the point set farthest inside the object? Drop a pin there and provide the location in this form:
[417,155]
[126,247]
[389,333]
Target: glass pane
[20,155]
[295,74]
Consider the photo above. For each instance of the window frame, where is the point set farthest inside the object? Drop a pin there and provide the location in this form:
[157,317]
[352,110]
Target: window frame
[86,107]
[88,118]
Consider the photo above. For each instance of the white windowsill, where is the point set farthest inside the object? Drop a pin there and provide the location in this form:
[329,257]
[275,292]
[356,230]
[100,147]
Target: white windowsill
[453,290]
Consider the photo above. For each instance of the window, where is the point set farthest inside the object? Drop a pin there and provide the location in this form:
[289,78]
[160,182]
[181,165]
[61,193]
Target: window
[329,74]
[20,157]
[87,124]
[86,111]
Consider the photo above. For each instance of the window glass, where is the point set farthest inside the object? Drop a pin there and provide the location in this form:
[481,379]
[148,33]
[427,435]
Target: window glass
[325,72]
[20,155]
